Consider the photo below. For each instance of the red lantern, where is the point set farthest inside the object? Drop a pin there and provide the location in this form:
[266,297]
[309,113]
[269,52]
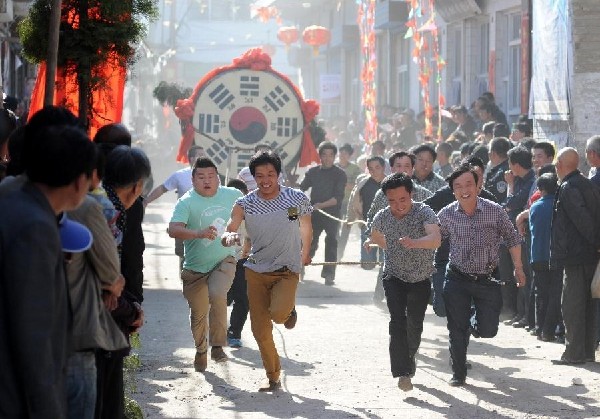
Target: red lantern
[288,35]
[316,36]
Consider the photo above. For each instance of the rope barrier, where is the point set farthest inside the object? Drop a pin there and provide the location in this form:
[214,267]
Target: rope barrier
[343,263]
[339,220]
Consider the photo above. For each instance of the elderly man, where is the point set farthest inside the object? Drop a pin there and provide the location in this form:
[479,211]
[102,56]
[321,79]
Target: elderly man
[574,245]
[592,155]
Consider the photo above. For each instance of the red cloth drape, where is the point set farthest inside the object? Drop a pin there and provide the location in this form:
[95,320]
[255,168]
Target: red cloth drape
[254,59]
[107,100]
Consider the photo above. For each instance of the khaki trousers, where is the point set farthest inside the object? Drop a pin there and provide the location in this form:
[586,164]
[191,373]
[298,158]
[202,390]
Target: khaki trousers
[271,296]
[206,294]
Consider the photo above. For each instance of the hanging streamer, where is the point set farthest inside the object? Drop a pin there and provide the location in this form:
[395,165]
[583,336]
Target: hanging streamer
[366,24]
[421,27]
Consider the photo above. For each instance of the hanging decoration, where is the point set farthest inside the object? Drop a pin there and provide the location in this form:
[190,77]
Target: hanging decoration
[288,35]
[266,13]
[421,27]
[316,36]
[366,24]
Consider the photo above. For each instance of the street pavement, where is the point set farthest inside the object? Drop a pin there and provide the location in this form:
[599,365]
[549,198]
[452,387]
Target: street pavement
[335,361]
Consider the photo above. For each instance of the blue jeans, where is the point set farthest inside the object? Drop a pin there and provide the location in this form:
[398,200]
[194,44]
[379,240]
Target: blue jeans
[407,303]
[471,307]
[81,385]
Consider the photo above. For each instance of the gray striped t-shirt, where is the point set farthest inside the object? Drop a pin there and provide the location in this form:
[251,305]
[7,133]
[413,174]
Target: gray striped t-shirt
[274,230]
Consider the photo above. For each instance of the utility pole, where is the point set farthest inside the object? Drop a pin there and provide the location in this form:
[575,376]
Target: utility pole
[52,59]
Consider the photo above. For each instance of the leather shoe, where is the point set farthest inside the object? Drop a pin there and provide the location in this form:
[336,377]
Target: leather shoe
[272,386]
[200,362]
[456,382]
[546,338]
[290,322]
[217,354]
[404,383]
[563,361]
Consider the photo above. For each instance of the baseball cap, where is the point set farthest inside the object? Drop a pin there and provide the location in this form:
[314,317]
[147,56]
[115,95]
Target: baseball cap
[74,236]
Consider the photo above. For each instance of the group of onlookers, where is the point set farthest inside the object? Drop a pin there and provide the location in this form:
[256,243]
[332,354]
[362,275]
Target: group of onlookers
[70,266]
[546,198]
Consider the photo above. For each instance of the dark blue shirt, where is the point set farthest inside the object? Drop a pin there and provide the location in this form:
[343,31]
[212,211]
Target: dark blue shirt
[540,226]
[517,200]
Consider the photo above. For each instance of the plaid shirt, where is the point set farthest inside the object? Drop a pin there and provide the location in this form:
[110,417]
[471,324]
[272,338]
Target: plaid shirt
[432,182]
[475,240]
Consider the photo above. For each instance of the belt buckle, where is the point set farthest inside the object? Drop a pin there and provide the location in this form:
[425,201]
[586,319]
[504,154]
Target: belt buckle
[473,277]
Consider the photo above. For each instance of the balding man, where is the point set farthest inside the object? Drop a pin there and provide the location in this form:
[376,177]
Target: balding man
[574,245]
[592,155]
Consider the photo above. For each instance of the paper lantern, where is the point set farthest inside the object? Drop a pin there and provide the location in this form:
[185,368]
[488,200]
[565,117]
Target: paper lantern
[316,36]
[288,35]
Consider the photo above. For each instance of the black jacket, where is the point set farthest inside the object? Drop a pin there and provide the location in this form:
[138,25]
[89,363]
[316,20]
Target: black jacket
[575,238]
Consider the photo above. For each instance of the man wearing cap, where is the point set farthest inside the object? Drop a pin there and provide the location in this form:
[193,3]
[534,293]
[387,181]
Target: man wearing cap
[34,306]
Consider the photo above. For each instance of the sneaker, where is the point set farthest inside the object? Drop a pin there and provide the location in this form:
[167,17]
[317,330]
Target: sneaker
[217,354]
[290,323]
[200,362]
[456,382]
[272,386]
[234,342]
[404,383]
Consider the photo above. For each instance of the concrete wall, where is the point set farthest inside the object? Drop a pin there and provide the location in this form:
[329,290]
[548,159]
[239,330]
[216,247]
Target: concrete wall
[586,69]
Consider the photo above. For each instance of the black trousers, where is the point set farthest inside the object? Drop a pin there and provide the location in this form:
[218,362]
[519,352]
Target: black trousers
[471,307]
[548,289]
[110,401]
[322,223]
[238,295]
[406,303]
[579,312]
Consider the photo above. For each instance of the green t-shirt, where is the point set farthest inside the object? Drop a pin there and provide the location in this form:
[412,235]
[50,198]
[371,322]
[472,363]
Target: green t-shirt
[197,213]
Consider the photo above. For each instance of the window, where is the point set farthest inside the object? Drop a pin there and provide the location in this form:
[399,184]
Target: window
[457,58]
[403,73]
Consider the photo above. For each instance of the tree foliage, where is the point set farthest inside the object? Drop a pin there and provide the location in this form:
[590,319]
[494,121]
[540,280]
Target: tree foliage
[107,27]
[92,33]
[170,93]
